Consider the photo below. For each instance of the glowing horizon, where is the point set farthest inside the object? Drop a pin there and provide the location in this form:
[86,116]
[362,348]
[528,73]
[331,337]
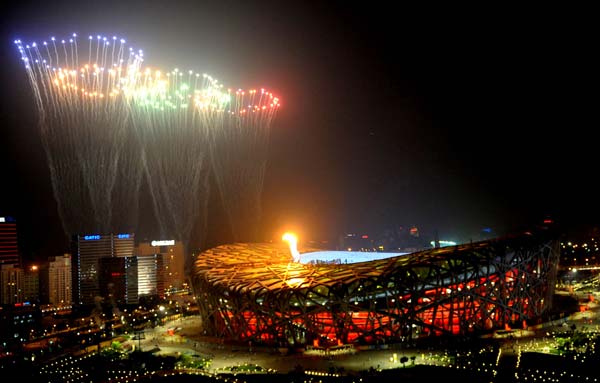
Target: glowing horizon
[345,257]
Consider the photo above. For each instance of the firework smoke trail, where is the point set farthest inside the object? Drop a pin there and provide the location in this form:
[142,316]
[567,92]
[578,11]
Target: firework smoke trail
[105,124]
[82,121]
[239,143]
[168,117]
[125,196]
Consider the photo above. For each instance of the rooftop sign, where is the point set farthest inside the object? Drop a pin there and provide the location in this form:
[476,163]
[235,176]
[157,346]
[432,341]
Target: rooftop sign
[169,242]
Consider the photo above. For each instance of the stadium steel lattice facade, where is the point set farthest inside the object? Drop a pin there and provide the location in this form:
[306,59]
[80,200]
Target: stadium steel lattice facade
[255,292]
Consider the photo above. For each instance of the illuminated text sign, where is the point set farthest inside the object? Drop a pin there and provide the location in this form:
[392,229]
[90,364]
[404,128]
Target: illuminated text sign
[170,242]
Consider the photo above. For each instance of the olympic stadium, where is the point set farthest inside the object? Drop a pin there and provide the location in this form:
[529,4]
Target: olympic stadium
[263,293]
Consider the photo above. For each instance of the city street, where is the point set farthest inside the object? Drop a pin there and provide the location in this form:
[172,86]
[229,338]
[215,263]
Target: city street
[184,336]
[188,340]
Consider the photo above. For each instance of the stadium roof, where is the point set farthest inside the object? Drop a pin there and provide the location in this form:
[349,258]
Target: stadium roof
[267,267]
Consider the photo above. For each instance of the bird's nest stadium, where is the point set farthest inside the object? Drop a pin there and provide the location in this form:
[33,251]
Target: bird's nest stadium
[257,292]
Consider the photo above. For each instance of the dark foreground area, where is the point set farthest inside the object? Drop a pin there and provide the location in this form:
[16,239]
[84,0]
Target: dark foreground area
[416,374]
[530,367]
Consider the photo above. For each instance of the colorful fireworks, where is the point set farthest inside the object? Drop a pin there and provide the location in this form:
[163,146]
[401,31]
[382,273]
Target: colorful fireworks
[107,122]
[84,124]
[239,151]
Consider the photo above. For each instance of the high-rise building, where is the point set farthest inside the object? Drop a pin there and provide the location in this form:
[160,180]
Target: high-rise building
[11,284]
[118,280]
[9,250]
[131,280]
[123,280]
[150,275]
[123,245]
[31,284]
[55,281]
[87,252]
[173,261]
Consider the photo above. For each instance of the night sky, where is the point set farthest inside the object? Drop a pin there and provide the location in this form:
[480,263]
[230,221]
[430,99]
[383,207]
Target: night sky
[450,119]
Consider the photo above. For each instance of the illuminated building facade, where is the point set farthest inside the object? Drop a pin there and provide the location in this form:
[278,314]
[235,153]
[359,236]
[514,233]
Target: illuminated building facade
[18,285]
[9,250]
[31,284]
[257,292]
[172,260]
[123,280]
[87,252]
[11,284]
[55,281]
[150,275]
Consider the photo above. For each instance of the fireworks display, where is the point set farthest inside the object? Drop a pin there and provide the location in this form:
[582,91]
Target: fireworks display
[239,151]
[84,124]
[107,122]
[168,116]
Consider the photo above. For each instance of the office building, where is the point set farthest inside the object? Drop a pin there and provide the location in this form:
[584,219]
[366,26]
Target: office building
[172,253]
[55,281]
[150,275]
[9,250]
[118,280]
[87,252]
[11,284]
[31,284]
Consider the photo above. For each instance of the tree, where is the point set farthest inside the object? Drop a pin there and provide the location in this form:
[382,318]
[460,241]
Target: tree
[403,360]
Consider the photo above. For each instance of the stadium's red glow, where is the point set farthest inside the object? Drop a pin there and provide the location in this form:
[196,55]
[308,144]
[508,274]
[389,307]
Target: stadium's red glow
[248,292]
